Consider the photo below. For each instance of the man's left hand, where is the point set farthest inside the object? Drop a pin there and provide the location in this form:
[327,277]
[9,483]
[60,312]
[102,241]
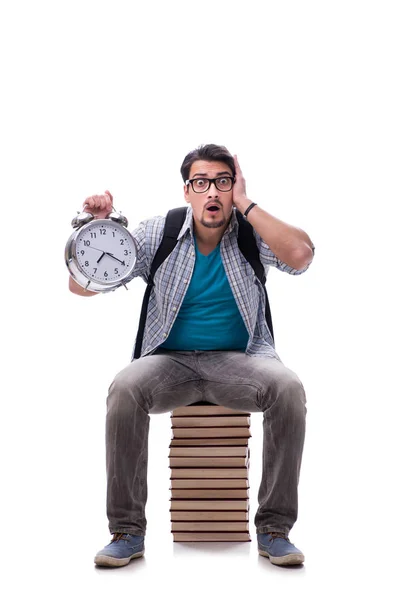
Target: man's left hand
[239,197]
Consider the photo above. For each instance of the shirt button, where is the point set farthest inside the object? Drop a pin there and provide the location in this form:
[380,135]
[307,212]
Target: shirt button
[185,281]
[164,335]
[174,308]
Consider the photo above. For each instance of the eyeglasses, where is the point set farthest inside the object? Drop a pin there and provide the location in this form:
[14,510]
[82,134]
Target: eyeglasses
[223,184]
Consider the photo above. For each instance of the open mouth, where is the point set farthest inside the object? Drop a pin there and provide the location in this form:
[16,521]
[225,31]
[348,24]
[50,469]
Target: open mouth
[213,208]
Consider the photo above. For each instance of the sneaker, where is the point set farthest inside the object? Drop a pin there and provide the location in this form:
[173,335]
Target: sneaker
[278,548]
[122,548]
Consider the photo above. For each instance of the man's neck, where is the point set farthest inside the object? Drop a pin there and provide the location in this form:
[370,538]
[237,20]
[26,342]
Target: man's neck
[208,236]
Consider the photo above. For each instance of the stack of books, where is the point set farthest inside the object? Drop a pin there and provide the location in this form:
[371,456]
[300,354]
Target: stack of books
[209,460]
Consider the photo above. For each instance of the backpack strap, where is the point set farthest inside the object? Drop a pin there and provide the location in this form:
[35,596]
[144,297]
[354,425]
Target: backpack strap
[248,247]
[173,224]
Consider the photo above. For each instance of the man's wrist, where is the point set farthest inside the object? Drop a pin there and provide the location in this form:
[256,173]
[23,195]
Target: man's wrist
[243,204]
[248,209]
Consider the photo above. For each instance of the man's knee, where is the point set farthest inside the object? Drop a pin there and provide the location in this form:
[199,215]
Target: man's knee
[127,390]
[287,396]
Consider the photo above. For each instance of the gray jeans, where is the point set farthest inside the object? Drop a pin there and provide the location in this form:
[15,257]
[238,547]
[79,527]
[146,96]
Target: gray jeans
[163,381]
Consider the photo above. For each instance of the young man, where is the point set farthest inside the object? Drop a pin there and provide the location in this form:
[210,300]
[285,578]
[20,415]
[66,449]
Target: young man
[206,338]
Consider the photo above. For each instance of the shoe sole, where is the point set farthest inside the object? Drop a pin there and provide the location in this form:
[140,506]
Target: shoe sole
[289,559]
[102,560]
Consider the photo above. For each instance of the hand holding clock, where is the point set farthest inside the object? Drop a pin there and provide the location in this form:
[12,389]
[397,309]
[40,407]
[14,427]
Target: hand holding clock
[99,205]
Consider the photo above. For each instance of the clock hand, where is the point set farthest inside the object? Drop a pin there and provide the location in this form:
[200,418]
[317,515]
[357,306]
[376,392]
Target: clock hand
[108,253]
[94,248]
[115,258]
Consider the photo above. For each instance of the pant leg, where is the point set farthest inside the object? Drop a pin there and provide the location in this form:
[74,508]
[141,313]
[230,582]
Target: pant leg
[242,382]
[152,384]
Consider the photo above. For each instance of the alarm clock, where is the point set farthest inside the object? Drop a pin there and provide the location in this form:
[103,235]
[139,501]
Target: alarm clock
[101,253]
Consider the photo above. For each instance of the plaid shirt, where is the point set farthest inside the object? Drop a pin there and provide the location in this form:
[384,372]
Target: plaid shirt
[172,280]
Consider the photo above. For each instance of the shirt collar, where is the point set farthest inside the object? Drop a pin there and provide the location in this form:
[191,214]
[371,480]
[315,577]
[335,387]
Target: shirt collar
[188,224]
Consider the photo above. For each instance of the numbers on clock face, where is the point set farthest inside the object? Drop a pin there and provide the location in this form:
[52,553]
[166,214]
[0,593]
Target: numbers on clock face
[105,252]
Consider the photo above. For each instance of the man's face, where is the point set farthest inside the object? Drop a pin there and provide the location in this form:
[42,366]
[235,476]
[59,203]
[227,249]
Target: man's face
[212,208]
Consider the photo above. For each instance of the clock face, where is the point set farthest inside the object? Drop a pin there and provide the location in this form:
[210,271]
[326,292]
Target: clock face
[105,251]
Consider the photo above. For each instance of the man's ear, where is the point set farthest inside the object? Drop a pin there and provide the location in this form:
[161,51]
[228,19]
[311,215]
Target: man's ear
[186,192]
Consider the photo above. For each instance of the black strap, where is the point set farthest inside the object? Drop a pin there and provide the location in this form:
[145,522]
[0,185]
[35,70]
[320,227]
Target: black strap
[248,247]
[173,224]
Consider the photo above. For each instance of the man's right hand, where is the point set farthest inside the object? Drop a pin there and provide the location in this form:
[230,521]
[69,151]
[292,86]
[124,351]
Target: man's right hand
[99,206]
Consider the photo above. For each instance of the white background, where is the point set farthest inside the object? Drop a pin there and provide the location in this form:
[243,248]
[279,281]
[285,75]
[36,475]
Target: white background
[112,95]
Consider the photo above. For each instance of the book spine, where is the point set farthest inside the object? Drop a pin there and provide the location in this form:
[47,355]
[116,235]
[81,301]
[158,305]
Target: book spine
[210,432]
[210,421]
[210,526]
[192,515]
[209,442]
[208,483]
[227,536]
[217,473]
[209,505]
[223,494]
[203,461]
[210,452]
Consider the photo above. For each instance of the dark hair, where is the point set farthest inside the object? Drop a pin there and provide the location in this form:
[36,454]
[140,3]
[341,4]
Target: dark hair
[208,152]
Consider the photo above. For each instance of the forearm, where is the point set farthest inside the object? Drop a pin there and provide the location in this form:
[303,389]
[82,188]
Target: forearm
[290,244]
[75,288]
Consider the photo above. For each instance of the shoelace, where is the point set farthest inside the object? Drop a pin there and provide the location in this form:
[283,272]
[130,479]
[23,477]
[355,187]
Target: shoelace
[119,536]
[278,534]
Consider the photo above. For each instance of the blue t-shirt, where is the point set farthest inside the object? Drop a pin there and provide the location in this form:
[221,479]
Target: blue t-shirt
[209,318]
